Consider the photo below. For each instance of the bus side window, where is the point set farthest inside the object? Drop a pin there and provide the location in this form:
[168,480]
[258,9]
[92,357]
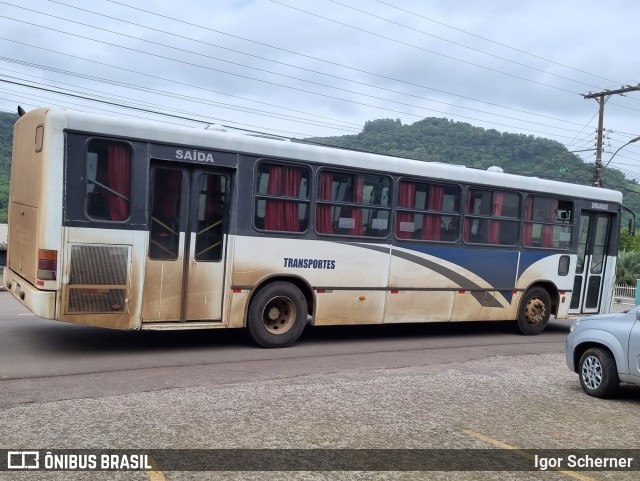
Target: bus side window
[108,184]
[492,217]
[548,222]
[281,197]
[427,211]
[353,204]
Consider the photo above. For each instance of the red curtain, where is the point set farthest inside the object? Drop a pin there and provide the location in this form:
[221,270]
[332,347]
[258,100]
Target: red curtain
[357,211]
[432,224]
[406,199]
[324,221]
[273,218]
[119,179]
[292,177]
[279,214]
[494,225]
[527,235]
[467,221]
[547,229]
[436,198]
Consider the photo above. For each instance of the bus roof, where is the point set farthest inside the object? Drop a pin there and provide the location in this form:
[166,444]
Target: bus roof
[160,132]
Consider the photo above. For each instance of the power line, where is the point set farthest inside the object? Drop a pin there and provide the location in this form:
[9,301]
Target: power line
[456,43]
[127,85]
[134,102]
[294,66]
[280,85]
[386,77]
[277,73]
[497,43]
[357,93]
[192,99]
[139,109]
[329,62]
[602,98]
[395,40]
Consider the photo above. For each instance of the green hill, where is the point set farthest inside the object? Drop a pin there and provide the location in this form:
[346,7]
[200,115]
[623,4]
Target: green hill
[6,138]
[435,140]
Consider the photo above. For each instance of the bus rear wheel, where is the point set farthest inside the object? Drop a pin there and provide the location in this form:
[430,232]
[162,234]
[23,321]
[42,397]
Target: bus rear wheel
[277,315]
[535,310]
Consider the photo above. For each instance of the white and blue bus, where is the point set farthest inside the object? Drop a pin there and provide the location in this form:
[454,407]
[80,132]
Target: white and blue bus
[131,224]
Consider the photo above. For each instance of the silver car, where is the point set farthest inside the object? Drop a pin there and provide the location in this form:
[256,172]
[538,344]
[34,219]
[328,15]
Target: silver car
[605,350]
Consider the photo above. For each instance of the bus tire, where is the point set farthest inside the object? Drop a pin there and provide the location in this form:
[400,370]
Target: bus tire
[277,315]
[535,310]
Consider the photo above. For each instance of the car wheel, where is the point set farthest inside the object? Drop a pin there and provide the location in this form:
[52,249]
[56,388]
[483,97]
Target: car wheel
[535,310]
[598,373]
[277,315]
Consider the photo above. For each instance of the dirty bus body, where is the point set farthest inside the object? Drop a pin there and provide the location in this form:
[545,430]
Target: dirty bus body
[130,224]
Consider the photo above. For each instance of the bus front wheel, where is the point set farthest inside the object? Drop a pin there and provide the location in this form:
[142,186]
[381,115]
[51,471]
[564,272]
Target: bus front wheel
[535,310]
[277,315]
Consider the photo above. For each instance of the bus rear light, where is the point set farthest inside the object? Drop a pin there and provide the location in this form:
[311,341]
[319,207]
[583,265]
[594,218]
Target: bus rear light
[48,255]
[47,264]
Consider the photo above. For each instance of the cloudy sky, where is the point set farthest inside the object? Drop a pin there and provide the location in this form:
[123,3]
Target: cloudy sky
[324,67]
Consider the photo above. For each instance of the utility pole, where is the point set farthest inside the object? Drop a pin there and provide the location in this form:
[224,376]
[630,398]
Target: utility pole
[601,98]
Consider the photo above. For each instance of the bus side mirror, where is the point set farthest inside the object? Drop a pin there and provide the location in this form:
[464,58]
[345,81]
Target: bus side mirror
[632,220]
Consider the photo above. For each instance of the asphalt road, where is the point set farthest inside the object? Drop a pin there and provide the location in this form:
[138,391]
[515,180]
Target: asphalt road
[430,386]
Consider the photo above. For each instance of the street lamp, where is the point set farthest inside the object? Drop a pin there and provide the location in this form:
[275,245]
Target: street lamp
[619,148]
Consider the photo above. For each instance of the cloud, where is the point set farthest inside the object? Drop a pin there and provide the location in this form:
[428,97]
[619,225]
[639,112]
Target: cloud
[326,67]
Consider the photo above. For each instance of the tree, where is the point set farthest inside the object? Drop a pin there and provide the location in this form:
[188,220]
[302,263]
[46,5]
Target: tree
[381,125]
[628,242]
[628,268]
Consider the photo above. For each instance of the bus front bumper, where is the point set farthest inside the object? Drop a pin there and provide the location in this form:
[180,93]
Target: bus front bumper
[41,303]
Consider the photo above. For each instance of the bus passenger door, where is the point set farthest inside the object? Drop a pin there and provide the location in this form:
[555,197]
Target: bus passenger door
[184,267]
[591,262]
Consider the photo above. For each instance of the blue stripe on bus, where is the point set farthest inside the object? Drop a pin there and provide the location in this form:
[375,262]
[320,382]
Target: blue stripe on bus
[497,267]
[484,298]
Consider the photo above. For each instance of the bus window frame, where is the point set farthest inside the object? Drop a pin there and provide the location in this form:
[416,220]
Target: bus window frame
[516,220]
[255,195]
[353,172]
[532,222]
[428,181]
[86,183]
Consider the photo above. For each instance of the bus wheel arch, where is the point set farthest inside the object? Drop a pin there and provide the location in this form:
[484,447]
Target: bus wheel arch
[278,312]
[536,306]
